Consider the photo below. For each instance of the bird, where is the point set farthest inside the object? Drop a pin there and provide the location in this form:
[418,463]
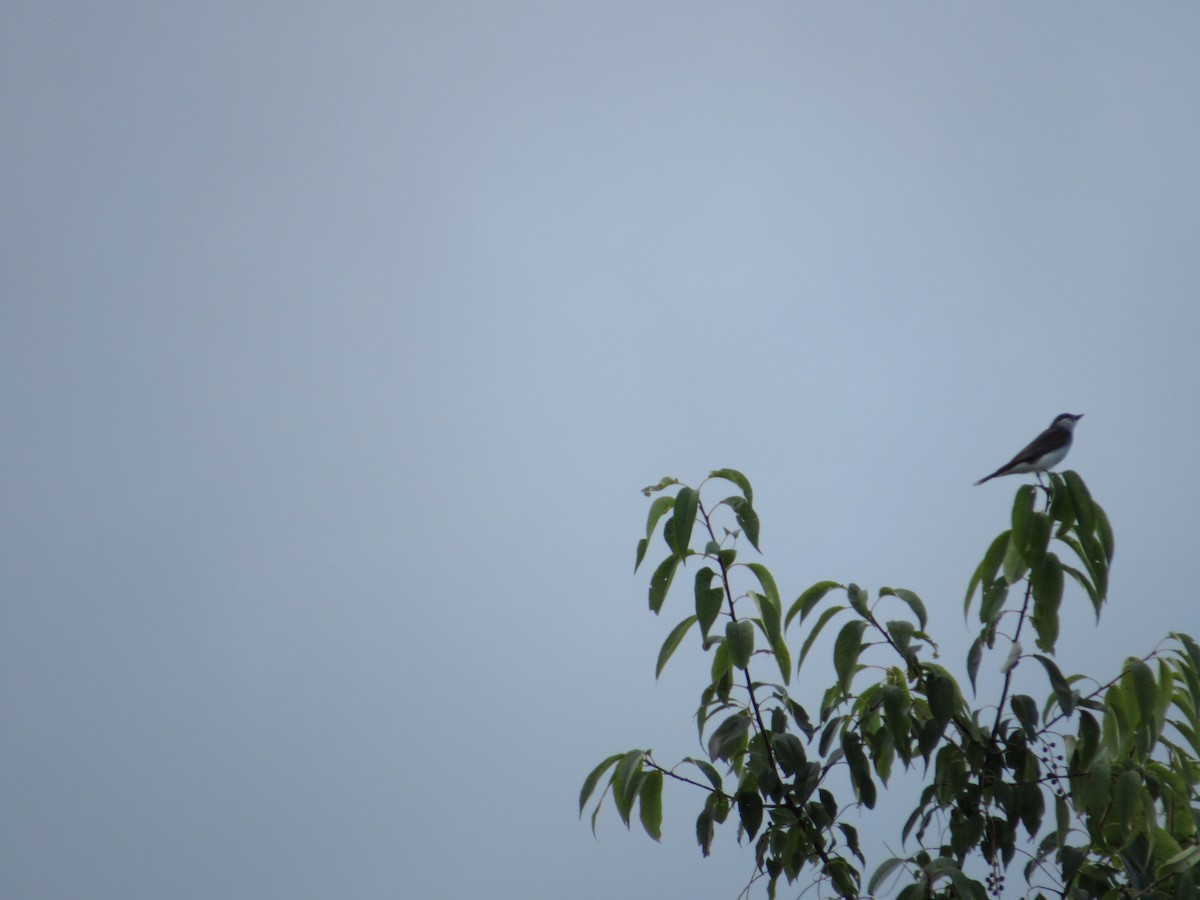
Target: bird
[1044,452]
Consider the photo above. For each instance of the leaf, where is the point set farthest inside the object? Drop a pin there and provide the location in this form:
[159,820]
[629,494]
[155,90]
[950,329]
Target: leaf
[1047,582]
[783,657]
[1105,533]
[860,771]
[974,658]
[650,804]
[750,808]
[1081,500]
[913,601]
[737,478]
[985,572]
[805,602]
[812,636]
[963,886]
[901,633]
[721,661]
[709,772]
[846,650]
[739,638]
[672,641]
[641,553]
[896,704]
[747,518]
[1026,712]
[687,501]
[991,606]
[1144,689]
[708,599]
[665,483]
[768,583]
[704,832]
[657,509]
[1127,795]
[789,751]
[625,782]
[589,783]
[1022,515]
[886,868]
[729,736]
[942,694]
[858,600]
[660,582]
[1062,690]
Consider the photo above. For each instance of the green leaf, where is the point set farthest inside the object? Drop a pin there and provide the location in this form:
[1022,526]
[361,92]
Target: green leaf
[896,705]
[1085,582]
[750,808]
[1104,532]
[860,770]
[739,638]
[1026,712]
[768,583]
[1047,581]
[687,501]
[783,657]
[729,736]
[963,886]
[974,658]
[789,751]
[625,782]
[886,868]
[589,783]
[846,650]
[858,600]
[708,599]
[843,876]
[650,804]
[770,607]
[992,604]
[805,602]
[1081,500]
[1127,795]
[1014,560]
[747,518]
[660,582]
[665,483]
[812,635]
[913,601]
[709,772]
[705,832]
[721,661]
[657,509]
[942,693]
[901,632]
[641,553]
[1144,689]
[985,572]
[1060,686]
[1022,514]
[737,478]
[672,641]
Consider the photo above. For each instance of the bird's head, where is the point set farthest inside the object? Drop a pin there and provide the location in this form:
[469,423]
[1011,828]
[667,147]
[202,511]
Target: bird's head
[1066,420]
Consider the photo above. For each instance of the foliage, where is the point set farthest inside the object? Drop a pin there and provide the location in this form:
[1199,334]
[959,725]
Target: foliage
[1094,789]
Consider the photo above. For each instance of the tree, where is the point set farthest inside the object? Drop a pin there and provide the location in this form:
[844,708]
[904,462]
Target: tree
[1094,789]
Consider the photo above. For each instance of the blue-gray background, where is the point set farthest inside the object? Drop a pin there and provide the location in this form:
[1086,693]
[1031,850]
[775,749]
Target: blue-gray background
[336,340]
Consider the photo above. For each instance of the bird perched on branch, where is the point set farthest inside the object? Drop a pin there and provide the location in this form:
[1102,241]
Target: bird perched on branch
[1044,452]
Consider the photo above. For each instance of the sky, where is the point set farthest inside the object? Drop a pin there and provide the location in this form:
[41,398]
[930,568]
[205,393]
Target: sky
[337,340]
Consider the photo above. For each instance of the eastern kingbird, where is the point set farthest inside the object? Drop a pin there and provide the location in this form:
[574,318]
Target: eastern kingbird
[1044,452]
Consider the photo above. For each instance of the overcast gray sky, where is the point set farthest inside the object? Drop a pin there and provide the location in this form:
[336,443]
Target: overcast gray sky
[337,339]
